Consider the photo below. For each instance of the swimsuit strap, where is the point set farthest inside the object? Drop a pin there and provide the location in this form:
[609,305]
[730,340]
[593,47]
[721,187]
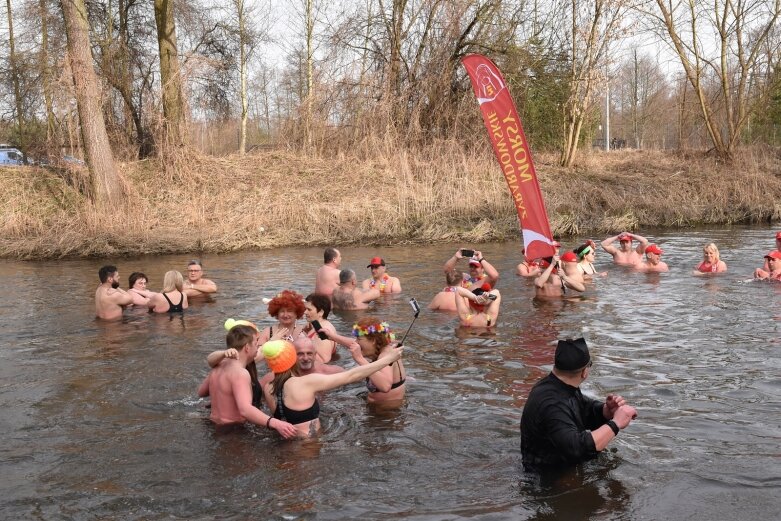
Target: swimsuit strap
[170,304]
[401,381]
[280,412]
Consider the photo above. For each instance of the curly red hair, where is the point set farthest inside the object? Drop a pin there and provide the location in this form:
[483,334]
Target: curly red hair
[287,299]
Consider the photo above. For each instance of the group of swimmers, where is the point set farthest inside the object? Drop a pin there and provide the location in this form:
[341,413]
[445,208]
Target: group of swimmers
[299,356]
[111,299]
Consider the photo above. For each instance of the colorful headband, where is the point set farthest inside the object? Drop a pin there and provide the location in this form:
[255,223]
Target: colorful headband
[231,323]
[382,327]
[585,252]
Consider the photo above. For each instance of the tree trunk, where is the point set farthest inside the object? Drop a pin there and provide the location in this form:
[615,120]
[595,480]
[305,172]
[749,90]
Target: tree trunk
[395,36]
[45,71]
[170,76]
[15,80]
[243,75]
[310,26]
[104,178]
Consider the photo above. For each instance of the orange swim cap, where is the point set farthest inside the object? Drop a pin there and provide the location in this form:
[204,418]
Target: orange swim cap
[280,355]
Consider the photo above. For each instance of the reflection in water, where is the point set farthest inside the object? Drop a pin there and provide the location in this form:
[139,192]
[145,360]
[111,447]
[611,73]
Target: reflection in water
[101,419]
[588,491]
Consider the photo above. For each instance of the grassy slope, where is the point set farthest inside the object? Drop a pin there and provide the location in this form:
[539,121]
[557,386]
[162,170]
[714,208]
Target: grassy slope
[280,198]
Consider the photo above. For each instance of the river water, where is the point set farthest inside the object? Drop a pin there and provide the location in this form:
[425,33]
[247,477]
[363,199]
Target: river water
[101,420]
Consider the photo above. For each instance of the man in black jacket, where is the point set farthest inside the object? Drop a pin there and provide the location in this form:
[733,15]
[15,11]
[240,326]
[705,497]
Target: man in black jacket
[559,425]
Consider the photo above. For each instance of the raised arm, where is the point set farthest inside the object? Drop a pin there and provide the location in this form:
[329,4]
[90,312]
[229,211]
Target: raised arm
[607,244]
[490,271]
[452,261]
[325,382]
[545,275]
[643,243]
[462,308]
[346,341]
[215,357]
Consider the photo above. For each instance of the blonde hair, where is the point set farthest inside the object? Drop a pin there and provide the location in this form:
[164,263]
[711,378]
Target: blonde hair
[173,280]
[712,247]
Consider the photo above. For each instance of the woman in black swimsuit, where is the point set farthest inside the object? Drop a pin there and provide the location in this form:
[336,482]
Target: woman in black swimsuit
[373,339]
[294,397]
[171,299]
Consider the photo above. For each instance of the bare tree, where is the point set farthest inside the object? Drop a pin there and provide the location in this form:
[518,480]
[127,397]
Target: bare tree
[642,89]
[594,26]
[123,50]
[104,178]
[721,42]
[170,75]
[248,26]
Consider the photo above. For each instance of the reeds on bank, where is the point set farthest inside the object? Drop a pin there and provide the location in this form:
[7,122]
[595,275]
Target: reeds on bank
[193,202]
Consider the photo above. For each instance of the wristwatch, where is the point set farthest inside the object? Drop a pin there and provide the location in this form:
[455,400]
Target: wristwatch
[613,427]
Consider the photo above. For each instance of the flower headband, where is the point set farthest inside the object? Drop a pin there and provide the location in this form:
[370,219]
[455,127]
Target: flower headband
[381,327]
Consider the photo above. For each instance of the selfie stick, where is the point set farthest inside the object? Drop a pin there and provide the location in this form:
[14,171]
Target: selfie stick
[416,309]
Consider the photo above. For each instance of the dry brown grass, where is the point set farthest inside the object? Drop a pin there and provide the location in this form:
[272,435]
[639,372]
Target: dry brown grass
[276,198]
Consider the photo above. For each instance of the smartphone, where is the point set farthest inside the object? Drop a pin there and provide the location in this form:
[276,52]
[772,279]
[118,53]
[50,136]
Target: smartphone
[491,296]
[319,329]
[415,305]
[467,253]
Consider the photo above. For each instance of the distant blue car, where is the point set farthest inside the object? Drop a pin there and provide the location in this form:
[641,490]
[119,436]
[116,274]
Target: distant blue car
[10,156]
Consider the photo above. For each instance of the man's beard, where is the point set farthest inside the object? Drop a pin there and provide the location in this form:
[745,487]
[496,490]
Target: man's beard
[115,284]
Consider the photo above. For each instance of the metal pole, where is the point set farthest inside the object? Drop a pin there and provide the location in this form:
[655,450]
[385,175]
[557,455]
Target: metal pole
[607,116]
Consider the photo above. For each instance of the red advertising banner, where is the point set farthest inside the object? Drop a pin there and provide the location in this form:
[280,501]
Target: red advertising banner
[512,151]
